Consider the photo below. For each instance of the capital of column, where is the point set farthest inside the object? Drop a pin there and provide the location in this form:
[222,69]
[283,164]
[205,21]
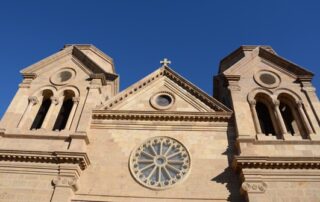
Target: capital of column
[54,100]
[76,99]
[276,103]
[33,100]
[252,102]
[299,103]
[69,182]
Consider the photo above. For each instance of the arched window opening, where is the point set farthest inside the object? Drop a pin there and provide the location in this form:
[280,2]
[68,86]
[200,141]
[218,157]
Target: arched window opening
[290,115]
[265,119]
[64,112]
[43,110]
[288,118]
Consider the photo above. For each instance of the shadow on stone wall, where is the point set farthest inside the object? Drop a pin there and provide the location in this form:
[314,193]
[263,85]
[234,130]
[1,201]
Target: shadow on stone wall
[229,177]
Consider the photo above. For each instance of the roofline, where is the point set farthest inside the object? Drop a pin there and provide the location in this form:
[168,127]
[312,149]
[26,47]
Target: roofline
[267,53]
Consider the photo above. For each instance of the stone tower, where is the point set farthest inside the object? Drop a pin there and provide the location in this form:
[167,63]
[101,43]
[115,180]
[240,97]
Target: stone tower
[70,136]
[276,115]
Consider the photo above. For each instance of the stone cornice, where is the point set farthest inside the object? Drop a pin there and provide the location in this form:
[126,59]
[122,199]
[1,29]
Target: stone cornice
[94,67]
[74,50]
[56,157]
[267,53]
[162,116]
[264,162]
[169,73]
[284,63]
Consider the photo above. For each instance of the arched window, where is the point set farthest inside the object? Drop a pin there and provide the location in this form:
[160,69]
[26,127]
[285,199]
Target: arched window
[265,119]
[290,116]
[43,110]
[64,112]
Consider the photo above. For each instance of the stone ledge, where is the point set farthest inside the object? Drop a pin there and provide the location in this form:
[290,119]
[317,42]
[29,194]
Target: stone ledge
[265,162]
[55,157]
[162,116]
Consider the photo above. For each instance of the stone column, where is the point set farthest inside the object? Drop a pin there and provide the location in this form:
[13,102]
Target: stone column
[75,101]
[313,107]
[255,116]
[64,188]
[55,112]
[54,102]
[304,118]
[277,112]
[33,100]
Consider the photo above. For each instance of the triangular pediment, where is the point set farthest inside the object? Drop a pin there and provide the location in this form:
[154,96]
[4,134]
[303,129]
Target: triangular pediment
[186,96]
[245,54]
[93,62]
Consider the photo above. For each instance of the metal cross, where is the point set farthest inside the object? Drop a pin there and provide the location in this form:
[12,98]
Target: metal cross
[165,62]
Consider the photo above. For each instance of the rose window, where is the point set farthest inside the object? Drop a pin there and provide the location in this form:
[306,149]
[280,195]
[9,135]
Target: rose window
[160,162]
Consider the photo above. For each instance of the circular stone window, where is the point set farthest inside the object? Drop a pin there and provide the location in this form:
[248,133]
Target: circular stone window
[162,100]
[267,79]
[160,163]
[63,76]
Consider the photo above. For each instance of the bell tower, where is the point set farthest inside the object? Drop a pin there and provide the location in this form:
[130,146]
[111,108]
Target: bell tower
[276,113]
[49,118]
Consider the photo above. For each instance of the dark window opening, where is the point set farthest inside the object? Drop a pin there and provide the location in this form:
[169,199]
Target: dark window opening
[287,117]
[43,110]
[63,115]
[265,119]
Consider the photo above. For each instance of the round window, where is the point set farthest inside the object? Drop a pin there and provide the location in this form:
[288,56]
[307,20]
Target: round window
[162,100]
[160,163]
[63,76]
[267,79]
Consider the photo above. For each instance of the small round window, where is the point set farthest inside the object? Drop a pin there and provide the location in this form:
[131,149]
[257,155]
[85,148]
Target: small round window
[162,100]
[160,163]
[63,76]
[267,79]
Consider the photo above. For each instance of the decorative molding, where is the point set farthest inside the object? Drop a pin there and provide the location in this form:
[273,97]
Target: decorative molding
[254,187]
[76,99]
[254,162]
[57,157]
[55,100]
[33,100]
[233,82]
[162,116]
[167,72]
[71,182]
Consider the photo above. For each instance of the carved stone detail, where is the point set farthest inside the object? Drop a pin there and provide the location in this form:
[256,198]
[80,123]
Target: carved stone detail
[78,158]
[163,116]
[55,100]
[33,100]
[76,99]
[254,187]
[71,182]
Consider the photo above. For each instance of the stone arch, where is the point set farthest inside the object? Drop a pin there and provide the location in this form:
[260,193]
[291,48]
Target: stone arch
[289,109]
[74,89]
[68,97]
[38,92]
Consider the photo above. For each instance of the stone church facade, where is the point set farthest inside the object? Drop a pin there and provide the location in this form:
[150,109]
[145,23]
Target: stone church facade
[69,135]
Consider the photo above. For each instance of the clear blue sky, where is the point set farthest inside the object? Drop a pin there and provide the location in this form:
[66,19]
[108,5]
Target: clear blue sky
[194,35]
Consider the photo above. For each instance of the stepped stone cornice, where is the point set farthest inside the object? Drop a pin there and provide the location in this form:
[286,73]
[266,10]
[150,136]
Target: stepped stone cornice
[264,162]
[162,116]
[55,157]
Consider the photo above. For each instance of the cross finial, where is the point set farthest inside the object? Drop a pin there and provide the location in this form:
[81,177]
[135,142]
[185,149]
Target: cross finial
[165,62]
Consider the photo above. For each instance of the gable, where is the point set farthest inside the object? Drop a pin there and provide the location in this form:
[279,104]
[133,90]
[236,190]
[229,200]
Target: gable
[245,54]
[92,61]
[187,97]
